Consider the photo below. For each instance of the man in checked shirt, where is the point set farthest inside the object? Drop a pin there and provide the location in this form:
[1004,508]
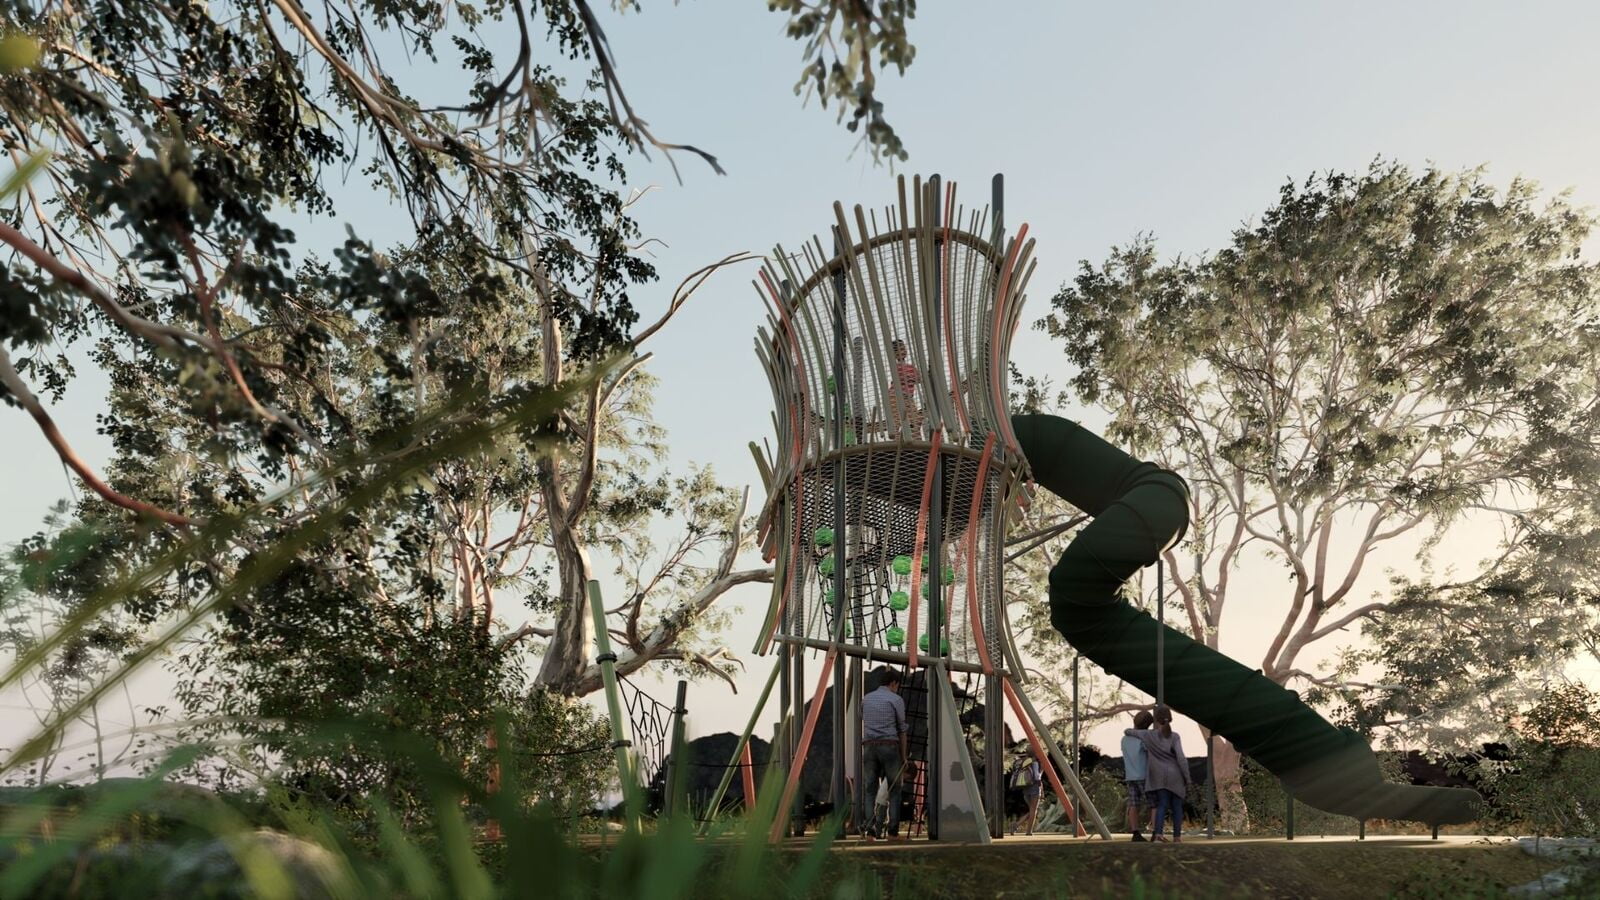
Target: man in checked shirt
[883,746]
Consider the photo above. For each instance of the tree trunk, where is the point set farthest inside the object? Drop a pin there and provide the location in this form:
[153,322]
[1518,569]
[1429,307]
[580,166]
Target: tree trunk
[1226,770]
[567,652]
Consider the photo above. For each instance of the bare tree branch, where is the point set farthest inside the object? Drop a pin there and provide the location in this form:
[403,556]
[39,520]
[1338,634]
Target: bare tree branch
[19,391]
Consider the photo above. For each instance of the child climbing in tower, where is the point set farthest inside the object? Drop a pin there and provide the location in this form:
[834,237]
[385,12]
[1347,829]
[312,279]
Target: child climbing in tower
[903,409]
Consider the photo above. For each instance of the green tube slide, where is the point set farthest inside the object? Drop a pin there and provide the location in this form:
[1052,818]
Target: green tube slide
[1138,509]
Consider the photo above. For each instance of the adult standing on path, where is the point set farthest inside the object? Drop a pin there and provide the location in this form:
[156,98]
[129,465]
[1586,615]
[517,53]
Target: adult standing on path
[883,746]
[1166,771]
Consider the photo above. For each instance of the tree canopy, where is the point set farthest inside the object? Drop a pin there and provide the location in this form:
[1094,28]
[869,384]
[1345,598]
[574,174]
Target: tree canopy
[1384,356]
[166,155]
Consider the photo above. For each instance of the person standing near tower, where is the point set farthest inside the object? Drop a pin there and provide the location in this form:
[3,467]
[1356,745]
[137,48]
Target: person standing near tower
[1133,772]
[1167,771]
[884,748]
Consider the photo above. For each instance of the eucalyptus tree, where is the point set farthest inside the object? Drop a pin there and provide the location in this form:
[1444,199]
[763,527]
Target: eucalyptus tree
[165,155]
[1387,356]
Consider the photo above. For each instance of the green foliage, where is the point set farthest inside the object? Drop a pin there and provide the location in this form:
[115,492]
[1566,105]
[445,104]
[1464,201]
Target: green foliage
[311,449]
[1550,784]
[839,62]
[1268,807]
[1109,795]
[438,438]
[17,51]
[1442,882]
[1384,354]
[307,850]
[256,386]
[32,606]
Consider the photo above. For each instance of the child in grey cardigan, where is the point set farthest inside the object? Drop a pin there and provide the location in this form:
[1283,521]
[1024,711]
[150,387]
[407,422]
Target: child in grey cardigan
[1166,779]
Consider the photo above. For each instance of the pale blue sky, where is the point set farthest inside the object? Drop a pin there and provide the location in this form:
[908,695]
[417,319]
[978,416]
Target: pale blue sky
[1179,119]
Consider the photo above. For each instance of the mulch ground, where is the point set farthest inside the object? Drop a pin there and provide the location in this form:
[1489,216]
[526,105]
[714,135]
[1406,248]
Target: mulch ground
[1332,867]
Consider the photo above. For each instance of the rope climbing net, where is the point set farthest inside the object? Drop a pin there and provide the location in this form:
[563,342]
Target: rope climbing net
[651,721]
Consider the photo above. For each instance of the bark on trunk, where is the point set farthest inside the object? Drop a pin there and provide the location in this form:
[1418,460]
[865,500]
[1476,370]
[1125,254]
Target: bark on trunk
[566,653]
[1226,768]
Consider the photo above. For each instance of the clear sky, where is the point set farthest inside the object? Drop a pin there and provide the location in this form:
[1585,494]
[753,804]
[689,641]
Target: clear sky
[1108,120]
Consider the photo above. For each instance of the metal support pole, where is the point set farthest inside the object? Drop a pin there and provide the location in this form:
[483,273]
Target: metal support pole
[619,738]
[1361,830]
[747,772]
[791,697]
[791,783]
[797,682]
[842,601]
[1029,715]
[675,803]
[935,581]
[1077,768]
[743,747]
[1435,832]
[1161,633]
[1211,736]
[1077,753]
[781,744]
[863,807]
[1211,784]
[994,729]
[994,754]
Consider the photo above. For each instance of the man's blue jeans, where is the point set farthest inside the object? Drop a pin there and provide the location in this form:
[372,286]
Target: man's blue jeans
[882,760]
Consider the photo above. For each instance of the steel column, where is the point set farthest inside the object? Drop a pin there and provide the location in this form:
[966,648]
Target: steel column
[935,581]
[994,728]
[742,751]
[675,796]
[1161,633]
[842,601]
[619,738]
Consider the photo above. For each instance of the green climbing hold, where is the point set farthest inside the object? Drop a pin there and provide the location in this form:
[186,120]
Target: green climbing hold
[944,645]
[826,565]
[894,636]
[948,576]
[899,601]
[902,565]
[823,537]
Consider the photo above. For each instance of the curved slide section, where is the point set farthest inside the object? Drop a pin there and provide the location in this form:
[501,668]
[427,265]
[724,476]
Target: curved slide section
[1139,509]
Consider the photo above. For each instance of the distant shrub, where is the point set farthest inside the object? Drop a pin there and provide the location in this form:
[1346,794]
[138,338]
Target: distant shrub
[1550,785]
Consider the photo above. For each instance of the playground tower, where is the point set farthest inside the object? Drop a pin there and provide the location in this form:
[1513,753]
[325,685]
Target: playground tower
[893,477]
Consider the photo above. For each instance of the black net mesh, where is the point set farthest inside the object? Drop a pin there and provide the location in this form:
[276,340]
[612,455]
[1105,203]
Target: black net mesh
[883,343]
[885,567]
[651,721]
